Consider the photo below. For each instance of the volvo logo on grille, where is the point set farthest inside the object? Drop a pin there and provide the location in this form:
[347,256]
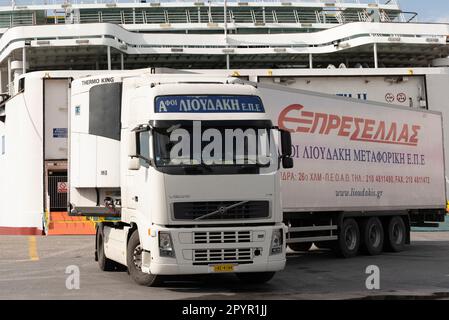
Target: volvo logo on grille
[222,210]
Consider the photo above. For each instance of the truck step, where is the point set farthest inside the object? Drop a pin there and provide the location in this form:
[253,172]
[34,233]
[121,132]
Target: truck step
[60,223]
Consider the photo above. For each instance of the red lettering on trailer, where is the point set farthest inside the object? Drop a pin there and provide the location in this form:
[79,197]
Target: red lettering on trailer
[295,119]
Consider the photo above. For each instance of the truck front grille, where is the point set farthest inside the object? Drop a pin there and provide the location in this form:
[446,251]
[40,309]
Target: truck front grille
[206,256]
[222,237]
[248,210]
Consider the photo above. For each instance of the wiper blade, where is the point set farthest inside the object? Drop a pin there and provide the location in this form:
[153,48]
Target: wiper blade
[149,161]
[221,210]
[205,166]
[195,167]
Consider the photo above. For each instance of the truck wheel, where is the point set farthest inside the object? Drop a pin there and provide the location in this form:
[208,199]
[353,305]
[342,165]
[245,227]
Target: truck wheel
[348,242]
[372,235]
[301,246]
[104,263]
[395,235]
[255,277]
[134,261]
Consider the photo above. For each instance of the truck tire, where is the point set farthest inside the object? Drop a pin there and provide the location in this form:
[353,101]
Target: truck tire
[105,263]
[372,236]
[348,242]
[395,234]
[255,277]
[134,261]
[301,246]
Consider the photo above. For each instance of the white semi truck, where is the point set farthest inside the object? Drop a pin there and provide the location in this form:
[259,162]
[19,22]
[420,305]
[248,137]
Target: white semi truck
[364,172]
[213,205]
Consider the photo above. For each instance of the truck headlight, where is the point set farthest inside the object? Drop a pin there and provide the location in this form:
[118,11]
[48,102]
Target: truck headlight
[165,245]
[277,242]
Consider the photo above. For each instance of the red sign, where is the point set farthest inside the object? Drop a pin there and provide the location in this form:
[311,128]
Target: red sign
[401,97]
[295,119]
[62,187]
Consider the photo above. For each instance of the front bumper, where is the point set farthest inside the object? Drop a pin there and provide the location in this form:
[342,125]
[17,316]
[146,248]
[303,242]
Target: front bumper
[198,250]
[173,269]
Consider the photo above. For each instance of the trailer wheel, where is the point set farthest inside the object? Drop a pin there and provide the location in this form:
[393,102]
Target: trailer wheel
[134,261]
[372,235]
[348,242]
[396,234]
[255,277]
[300,246]
[104,263]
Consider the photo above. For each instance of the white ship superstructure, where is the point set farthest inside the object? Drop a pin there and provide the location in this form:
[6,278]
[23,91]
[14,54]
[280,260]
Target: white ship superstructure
[178,34]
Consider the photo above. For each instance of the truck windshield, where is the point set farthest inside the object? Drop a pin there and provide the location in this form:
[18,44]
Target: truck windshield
[214,147]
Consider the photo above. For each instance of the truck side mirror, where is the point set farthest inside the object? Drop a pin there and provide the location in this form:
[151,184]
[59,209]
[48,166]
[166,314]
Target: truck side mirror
[133,163]
[286,149]
[133,160]
[286,143]
[287,162]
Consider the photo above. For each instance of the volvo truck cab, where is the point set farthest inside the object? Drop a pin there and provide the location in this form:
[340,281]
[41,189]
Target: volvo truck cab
[185,171]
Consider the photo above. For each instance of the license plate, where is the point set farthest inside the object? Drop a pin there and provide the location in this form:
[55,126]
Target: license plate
[223,268]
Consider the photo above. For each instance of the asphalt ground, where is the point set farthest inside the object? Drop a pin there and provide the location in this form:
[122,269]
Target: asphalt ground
[33,267]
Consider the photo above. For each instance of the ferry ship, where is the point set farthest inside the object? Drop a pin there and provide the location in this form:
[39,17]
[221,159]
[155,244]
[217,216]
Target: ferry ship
[366,49]
[194,35]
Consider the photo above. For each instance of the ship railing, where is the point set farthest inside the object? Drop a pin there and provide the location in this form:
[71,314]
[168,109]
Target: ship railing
[204,14]
[65,2]
[364,16]
[215,15]
[183,16]
[17,19]
[409,16]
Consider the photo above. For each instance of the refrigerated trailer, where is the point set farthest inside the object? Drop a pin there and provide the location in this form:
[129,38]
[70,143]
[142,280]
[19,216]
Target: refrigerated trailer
[415,88]
[364,172]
